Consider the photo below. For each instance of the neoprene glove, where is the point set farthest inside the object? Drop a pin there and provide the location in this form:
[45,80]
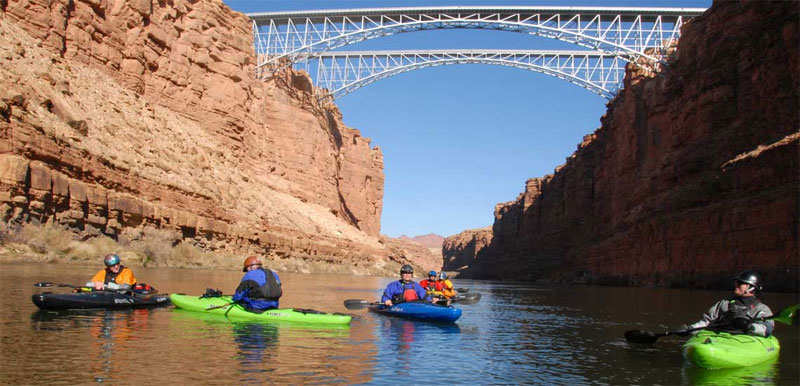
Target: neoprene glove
[757,329]
[742,324]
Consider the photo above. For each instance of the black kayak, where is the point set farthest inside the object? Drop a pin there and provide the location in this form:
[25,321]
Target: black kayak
[98,299]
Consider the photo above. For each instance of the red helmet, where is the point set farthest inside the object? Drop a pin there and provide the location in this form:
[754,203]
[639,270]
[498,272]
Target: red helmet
[251,260]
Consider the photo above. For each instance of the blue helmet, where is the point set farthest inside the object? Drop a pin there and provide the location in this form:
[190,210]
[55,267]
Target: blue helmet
[442,276]
[111,259]
[432,273]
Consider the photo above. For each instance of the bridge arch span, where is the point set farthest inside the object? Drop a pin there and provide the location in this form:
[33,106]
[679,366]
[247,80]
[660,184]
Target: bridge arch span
[341,73]
[625,32]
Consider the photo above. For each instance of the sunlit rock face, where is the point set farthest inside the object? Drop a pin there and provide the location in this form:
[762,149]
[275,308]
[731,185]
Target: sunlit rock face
[121,115]
[692,176]
[462,250]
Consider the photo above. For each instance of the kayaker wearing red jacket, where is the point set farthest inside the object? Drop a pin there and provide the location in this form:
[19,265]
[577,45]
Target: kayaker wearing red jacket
[431,285]
[115,276]
[404,290]
[740,312]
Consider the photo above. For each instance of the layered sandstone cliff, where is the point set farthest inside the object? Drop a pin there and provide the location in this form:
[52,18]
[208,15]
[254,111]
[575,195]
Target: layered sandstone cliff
[460,251]
[692,176]
[117,116]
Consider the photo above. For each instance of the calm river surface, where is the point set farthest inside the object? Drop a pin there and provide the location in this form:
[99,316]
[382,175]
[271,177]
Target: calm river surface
[516,334]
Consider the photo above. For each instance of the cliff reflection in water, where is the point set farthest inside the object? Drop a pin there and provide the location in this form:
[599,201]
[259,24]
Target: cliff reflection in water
[517,333]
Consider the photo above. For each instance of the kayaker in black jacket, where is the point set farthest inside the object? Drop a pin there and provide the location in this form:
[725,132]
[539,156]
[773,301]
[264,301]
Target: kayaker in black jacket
[741,312]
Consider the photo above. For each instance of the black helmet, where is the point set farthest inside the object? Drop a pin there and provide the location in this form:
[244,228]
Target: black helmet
[406,269]
[749,277]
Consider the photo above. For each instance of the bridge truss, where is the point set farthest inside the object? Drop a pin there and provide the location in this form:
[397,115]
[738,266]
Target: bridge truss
[341,72]
[637,35]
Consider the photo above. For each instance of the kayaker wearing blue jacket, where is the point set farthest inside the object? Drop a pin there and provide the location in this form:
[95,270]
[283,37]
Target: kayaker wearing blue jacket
[404,290]
[260,288]
[740,312]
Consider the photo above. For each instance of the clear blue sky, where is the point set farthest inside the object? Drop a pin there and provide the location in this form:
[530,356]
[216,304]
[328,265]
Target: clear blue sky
[459,139]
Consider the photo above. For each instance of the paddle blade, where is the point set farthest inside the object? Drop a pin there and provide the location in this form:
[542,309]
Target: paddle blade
[44,284]
[356,304]
[640,336]
[462,289]
[470,298]
[788,315]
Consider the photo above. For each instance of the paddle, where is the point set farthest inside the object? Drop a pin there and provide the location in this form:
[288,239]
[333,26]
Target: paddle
[357,304]
[470,298]
[787,316]
[51,284]
[462,289]
[47,284]
[83,288]
[215,307]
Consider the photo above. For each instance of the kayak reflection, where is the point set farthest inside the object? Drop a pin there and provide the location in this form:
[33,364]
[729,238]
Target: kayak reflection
[255,342]
[402,333]
[404,343]
[760,374]
[269,352]
[108,330]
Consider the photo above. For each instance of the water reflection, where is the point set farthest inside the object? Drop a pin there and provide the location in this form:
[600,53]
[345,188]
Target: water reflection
[256,344]
[277,352]
[760,374]
[108,329]
[516,334]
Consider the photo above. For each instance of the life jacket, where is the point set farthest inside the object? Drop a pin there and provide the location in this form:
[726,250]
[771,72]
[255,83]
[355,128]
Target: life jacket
[124,276]
[111,277]
[260,285]
[432,287]
[409,294]
[740,312]
[447,288]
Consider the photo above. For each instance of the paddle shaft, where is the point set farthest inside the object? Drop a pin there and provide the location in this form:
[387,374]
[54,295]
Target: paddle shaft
[785,316]
[215,307]
[46,284]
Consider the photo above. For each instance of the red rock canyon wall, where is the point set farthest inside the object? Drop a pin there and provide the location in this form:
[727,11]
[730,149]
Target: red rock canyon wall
[692,176]
[120,115]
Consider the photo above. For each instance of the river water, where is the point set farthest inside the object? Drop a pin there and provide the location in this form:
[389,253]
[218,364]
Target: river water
[517,333]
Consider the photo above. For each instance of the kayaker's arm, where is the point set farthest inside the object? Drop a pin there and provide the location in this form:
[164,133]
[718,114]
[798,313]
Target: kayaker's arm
[762,327]
[711,315]
[421,293]
[244,289]
[117,287]
[388,293]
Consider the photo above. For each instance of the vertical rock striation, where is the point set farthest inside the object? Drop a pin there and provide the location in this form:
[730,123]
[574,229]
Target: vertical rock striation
[119,115]
[692,176]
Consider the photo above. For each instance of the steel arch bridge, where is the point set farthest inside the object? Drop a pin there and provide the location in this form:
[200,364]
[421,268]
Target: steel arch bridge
[341,72]
[636,35]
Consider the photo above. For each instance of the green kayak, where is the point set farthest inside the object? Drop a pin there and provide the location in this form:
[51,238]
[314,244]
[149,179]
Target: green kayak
[722,350]
[237,312]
